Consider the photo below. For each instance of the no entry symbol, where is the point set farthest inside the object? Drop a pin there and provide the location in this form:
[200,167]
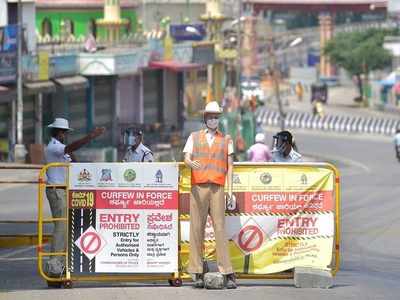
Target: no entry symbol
[250,238]
[90,242]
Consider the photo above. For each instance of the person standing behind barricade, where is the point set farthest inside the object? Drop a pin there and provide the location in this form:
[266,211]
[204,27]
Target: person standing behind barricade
[259,152]
[209,154]
[58,152]
[397,143]
[137,152]
[284,148]
[299,91]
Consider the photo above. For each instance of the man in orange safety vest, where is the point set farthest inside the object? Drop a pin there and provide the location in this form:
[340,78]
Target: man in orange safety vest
[209,154]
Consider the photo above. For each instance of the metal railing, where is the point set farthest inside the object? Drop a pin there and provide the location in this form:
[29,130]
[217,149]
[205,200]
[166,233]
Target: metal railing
[25,239]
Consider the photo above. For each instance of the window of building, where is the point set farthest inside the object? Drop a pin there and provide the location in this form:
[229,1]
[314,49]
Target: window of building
[47,28]
[128,28]
[68,26]
[92,27]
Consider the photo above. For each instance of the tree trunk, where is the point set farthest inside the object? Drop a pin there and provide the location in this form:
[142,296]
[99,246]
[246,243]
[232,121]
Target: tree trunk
[360,85]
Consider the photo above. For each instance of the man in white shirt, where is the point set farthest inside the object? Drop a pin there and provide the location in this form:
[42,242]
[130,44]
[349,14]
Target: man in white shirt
[137,152]
[284,148]
[58,152]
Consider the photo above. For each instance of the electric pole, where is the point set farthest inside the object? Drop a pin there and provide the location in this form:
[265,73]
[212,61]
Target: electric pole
[19,148]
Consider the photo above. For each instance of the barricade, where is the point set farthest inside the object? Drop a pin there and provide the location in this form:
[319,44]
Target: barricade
[122,223]
[11,176]
[281,216]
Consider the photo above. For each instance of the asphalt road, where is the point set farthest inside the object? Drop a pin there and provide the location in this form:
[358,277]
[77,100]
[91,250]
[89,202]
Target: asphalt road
[369,247]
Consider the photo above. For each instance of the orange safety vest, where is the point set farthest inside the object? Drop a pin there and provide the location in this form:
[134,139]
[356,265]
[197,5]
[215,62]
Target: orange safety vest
[213,160]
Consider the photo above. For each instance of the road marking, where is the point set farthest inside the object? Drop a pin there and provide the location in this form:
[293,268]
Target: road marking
[18,251]
[18,258]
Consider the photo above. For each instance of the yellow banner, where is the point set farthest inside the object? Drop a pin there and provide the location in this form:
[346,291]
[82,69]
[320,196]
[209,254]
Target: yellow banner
[273,257]
[43,58]
[281,217]
[272,178]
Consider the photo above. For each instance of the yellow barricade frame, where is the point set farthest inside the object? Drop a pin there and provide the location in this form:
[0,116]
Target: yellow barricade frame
[174,279]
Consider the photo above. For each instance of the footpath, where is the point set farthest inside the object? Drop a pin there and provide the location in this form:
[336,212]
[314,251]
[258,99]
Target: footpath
[340,102]
[341,113]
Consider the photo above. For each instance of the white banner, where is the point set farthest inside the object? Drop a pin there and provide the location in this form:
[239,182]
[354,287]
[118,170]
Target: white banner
[123,218]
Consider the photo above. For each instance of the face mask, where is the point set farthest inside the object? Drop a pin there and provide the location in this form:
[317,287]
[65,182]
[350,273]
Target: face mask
[212,123]
[132,140]
[279,146]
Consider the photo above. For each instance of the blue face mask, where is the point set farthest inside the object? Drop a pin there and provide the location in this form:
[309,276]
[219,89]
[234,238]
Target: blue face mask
[132,140]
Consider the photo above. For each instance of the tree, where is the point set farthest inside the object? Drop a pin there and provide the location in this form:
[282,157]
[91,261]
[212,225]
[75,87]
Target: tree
[359,53]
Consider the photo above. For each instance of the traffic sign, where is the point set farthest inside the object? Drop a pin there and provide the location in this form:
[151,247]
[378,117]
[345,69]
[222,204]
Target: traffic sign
[250,237]
[90,243]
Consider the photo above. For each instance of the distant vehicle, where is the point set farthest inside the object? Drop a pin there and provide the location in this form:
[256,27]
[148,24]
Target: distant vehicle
[319,92]
[252,87]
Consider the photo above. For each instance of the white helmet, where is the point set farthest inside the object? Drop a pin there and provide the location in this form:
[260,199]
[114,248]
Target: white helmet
[260,138]
[213,108]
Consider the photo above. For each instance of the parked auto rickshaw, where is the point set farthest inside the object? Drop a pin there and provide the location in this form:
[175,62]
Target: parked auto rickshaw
[319,92]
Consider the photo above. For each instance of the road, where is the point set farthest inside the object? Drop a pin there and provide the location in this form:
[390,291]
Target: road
[369,247]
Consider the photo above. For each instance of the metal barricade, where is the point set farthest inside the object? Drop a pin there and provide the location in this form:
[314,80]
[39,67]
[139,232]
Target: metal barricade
[66,279]
[335,262]
[26,239]
[176,278]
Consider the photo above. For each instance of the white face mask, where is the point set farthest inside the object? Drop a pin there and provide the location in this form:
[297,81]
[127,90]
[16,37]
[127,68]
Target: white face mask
[212,123]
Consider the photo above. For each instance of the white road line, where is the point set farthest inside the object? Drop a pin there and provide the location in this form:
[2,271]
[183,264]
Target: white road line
[18,258]
[18,251]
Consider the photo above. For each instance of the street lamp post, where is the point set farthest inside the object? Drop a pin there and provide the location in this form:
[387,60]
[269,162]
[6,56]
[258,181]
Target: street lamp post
[19,148]
[276,73]
[239,49]
[275,79]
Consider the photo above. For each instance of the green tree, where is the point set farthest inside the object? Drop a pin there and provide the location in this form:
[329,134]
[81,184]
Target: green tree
[359,53]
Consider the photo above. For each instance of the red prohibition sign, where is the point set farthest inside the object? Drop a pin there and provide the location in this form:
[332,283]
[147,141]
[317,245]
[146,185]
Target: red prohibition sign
[89,240]
[250,238]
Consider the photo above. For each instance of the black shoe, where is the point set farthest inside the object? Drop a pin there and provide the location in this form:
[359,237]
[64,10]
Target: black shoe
[199,281]
[230,281]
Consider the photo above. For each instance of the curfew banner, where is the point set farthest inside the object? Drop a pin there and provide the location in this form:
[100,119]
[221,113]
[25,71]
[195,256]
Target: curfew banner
[281,217]
[123,218]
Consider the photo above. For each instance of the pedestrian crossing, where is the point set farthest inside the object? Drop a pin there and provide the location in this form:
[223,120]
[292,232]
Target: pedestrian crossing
[335,123]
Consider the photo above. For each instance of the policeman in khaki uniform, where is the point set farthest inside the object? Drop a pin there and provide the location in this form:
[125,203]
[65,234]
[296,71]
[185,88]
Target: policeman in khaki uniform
[209,154]
[137,152]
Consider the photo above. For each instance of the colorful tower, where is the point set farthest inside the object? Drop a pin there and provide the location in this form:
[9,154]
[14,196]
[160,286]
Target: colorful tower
[214,20]
[327,27]
[112,21]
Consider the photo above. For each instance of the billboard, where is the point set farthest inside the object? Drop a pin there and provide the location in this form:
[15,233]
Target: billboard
[8,53]
[279,218]
[123,218]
